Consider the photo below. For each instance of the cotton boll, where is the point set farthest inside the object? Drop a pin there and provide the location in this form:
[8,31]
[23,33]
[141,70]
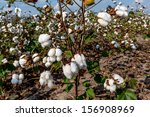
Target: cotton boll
[67,71]
[105,16]
[79,61]
[4,61]
[42,82]
[19,82]
[59,58]
[46,44]
[43,38]
[48,64]
[21,76]
[16,63]
[102,22]
[36,59]
[112,88]
[48,75]
[52,52]
[15,76]
[44,60]
[50,83]
[133,46]
[118,78]
[83,60]
[14,81]
[74,68]
[22,62]
[52,59]
[119,13]
[58,52]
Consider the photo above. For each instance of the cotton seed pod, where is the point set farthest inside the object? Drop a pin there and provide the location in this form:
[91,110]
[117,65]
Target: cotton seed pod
[48,64]
[118,78]
[14,81]
[83,60]
[43,38]
[19,82]
[67,71]
[59,58]
[58,52]
[15,76]
[102,22]
[79,61]
[50,83]
[52,52]
[16,63]
[44,60]
[21,76]
[74,68]
[42,82]
[46,43]
[52,59]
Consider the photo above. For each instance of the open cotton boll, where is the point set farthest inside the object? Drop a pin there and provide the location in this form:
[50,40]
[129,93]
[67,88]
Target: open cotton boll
[58,52]
[50,83]
[4,61]
[21,76]
[74,67]
[15,76]
[19,82]
[118,78]
[52,59]
[79,61]
[48,75]
[59,58]
[48,64]
[105,16]
[35,57]
[102,22]
[14,81]
[46,43]
[44,60]
[52,52]
[112,88]
[83,60]
[16,63]
[109,85]
[67,71]
[42,81]
[43,38]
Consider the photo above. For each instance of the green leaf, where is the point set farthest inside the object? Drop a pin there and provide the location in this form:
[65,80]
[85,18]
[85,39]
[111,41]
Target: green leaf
[1,58]
[90,93]
[86,83]
[132,83]
[66,80]
[99,78]
[69,87]
[93,66]
[68,54]
[127,95]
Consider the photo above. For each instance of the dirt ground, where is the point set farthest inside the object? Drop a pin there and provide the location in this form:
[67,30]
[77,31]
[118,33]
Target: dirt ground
[132,64]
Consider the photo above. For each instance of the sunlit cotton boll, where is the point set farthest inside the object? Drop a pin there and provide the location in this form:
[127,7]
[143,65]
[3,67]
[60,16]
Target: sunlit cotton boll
[22,61]
[16,63]
[36,57]
[59,58]
[80,60]
[44,39]
[67,71]
[104,18]
[4,61]
[52,52]
[21,76]
[109,85]
[50,83]
[118,79]
[58,52]
[74,68]
[18,12]
[15,78]
[121,11]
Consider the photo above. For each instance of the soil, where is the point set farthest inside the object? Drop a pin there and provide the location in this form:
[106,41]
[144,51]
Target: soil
[134,64]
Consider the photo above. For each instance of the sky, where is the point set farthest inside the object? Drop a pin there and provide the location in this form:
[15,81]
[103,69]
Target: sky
[101,6]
